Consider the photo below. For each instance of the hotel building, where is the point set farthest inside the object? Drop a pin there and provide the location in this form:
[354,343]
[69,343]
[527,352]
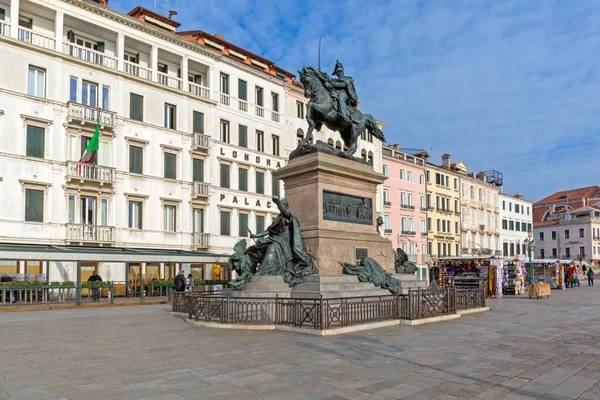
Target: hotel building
[516,220]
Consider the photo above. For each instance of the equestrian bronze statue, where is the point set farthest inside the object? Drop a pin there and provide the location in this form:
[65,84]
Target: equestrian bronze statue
[333,103]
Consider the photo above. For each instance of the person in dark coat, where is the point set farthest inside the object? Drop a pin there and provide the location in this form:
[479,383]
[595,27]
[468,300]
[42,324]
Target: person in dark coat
[95,291]
[180,282]
[590,275]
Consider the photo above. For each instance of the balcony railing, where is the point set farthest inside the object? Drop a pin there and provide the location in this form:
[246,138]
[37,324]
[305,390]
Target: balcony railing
[445,210]
[35,38]
[92,115]
[260,111]
[464,250]
[275,116]
[242,105]
[407,206]
[388,231]
[136,70]
[198,90]
[92,172]
[387,203]
[89,55]
[413,258]
[201,240]
[4,29]
[424,209]
[201,141]
[409,233]
[169,81]
[90,233]
[225,99]
[201,189]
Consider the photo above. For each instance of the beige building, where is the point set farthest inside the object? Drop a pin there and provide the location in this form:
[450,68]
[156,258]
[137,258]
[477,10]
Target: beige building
[479,211]
[443,209]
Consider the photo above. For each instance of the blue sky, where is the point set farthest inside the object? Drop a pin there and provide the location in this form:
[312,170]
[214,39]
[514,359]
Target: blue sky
[512,85]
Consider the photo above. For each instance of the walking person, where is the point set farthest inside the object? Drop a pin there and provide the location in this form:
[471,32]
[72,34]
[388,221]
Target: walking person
[590,275]
[180,281]
[95,290]
[189,283]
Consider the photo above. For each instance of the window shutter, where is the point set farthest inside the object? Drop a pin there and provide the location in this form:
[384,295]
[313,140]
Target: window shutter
[242,90]
[73,156]
[100,47]
[35,141]
[198,170]
[198,79]
[2,14]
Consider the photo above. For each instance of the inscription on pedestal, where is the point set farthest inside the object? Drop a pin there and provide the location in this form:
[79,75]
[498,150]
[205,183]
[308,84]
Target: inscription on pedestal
[345,208]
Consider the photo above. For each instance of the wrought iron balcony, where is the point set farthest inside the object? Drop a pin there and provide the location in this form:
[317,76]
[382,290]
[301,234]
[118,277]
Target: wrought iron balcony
[201,189]
[90,172]
[201,141]
[200,240]
[90,115]
[566,256]
[388,231]
[90,234]
[407,206]
[423,209]
[409,233]
[387,203]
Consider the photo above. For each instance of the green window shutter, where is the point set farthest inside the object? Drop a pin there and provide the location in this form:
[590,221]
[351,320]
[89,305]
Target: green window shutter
[243,225]
[260,182]
[242,90]
[198,79]
[275,186]
[136,107]
[100,47]
[170,166]
[243,136]
[243,175]
[260,223]
[136,159]
[225,223]
[34,205]
[198,170]
[35,141]
[225,176]
[2,14]
[198,123]
[71,36]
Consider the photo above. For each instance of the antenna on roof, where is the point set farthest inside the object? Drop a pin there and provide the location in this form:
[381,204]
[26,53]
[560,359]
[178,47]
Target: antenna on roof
[319,52]
[171,13]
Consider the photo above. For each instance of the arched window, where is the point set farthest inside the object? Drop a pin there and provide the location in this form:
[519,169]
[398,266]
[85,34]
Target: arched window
[363,155]
[330,142]
[338,145]
[370,158]
[300,135]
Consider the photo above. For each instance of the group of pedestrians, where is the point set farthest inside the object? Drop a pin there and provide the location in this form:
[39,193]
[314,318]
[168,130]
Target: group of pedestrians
[183,284]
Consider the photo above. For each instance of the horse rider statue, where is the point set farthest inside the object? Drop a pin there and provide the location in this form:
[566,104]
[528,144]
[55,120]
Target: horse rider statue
[342,90]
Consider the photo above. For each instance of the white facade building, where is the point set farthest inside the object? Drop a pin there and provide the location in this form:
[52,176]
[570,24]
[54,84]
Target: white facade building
[191,129]
[516,218]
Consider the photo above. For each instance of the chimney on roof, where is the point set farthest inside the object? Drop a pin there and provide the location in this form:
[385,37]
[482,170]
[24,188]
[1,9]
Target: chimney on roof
[218,36]
[446,161]
[584,201]
[396,146]
[103,3]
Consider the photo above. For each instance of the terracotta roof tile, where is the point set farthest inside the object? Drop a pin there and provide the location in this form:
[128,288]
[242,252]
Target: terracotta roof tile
[544,223]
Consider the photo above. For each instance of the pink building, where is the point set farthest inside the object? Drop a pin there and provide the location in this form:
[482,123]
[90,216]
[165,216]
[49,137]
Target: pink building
[404,204]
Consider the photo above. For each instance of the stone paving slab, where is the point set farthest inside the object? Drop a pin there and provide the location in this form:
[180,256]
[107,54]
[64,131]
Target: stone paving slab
[522,349]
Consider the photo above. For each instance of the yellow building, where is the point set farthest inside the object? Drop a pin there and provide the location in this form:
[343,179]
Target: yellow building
[443,210]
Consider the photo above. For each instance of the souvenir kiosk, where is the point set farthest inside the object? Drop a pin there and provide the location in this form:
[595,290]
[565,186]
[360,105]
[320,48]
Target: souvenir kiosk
[471,272]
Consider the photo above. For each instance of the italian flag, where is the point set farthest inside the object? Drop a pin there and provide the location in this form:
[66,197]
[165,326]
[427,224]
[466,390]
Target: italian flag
[92,146]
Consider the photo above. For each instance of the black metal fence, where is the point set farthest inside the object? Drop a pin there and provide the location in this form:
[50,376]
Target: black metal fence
[322,313]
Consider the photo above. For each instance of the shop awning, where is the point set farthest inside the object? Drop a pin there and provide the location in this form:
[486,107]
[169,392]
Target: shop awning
[34,252]
[548,261]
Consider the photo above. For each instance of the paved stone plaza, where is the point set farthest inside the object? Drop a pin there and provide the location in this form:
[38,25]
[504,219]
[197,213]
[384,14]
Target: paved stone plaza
[523,349]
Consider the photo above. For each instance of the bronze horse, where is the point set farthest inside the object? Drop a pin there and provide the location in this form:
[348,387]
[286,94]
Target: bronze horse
[321,111]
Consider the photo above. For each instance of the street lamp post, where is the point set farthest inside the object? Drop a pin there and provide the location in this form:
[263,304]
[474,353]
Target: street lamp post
[530,243]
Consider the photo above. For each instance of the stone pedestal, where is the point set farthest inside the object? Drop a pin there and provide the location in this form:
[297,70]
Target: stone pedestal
[334,200]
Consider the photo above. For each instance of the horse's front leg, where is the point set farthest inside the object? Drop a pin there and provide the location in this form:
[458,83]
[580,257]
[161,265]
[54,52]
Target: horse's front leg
[311,124]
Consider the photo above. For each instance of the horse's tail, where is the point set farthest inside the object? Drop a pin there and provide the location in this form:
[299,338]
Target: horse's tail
[371,124]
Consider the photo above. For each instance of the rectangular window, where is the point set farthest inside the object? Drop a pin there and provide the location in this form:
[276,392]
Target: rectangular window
[225,222]
[517,226]
[197,170]
[135,214]
[275,140]
[260,141]
[136,107]
[136,159]
[73,88]
[472,192]
[421,179]
[423,227]
[422,203]
[409,176]
[511,225]
[225,176]
[224,131]
[401,174]
[71,209]
[169,218]
[105,97]
[517,208]
[89,93]
[582,252]
[170,167]
[463,216]
[258,94]
[275,186]
[260,182]
[541,236]
[243,136]
[553,235]
[300,109]
[260,223]
[242,90]
[567,252]
[197,220]
[198,122]
[567,234]
[36,138]
[243,225]
[439,226]
[455,183]
[170,115]
[243,179]
[275,101]
[504,224]
[580,232]
[224,83]
[427,176]
[36,82]
[384,170]
[34,205]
